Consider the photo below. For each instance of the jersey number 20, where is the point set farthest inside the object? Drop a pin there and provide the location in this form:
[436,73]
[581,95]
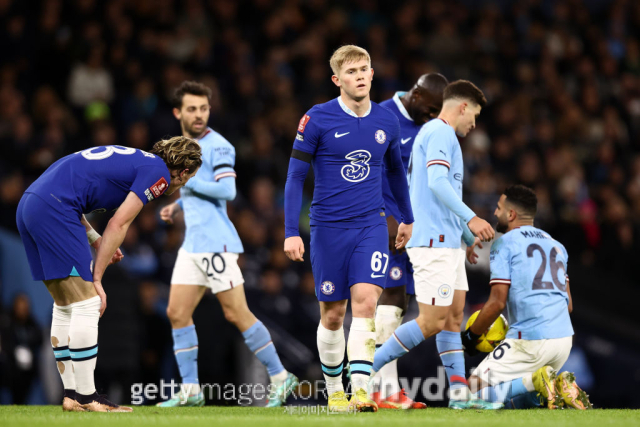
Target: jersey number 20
[554,264]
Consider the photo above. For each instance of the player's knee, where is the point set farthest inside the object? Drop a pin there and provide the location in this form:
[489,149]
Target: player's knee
[177,317]
[365,307]
[431,325]
[333,320]
[231,315]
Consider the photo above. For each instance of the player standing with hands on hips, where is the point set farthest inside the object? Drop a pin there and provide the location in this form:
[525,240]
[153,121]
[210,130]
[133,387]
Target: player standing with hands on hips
[347,140]
[56,236]
[435,181]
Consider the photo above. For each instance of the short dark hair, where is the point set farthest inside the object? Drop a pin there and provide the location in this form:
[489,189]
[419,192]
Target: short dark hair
[523,198]
[464,89]
[192,88]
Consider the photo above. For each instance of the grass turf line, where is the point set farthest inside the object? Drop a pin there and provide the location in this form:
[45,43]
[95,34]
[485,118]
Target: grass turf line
[52,416]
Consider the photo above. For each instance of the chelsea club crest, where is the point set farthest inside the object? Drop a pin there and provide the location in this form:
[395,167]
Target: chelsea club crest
[327,288]
[381,137]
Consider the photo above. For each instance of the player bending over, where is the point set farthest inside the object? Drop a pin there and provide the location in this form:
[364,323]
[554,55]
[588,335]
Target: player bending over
[208,257]
[413,109]
[529,276]
[56,236]
[435,179]
[347,140]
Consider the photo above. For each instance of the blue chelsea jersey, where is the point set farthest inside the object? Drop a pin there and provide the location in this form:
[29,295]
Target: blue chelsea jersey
[535,267]
[209,228]
[348,153]
[408,132]
[436,225]
[100,178]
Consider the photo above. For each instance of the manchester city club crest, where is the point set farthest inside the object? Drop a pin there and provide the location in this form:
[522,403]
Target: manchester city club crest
[396,273]
[327,288]
[381,137]
[444,291]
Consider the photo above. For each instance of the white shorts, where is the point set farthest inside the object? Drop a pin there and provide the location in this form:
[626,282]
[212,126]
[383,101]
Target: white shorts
[516,358]
[437,273]
[218,271]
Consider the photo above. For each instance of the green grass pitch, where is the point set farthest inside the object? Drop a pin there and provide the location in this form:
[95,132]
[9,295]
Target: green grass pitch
[51,416]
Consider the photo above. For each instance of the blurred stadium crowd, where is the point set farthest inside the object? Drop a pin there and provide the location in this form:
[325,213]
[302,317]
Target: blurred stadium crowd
[562,79]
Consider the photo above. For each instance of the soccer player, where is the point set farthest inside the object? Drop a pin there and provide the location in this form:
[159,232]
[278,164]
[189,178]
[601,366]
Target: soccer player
[346,140]
[529,276]
[56,237]
[413,109]
[435,180]
[208,257]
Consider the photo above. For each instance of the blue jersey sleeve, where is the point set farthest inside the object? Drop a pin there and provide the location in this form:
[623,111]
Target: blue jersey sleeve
[500,263]
[308,133]
[397,177]
[151,182]
[304,148]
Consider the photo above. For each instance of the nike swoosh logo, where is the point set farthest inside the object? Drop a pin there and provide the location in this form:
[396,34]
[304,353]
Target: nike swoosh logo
[339,135]
[404,141]
[375,276]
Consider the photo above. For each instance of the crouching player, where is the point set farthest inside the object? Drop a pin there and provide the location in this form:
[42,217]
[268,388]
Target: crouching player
[56,237]
[528,275]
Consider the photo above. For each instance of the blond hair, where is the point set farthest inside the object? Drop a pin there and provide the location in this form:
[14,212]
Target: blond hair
[346,54]
[179,153]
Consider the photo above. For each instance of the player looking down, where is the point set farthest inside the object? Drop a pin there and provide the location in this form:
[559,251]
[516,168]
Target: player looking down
[208,257]
[529,276]
[435,179]
[57,236]
[347,140]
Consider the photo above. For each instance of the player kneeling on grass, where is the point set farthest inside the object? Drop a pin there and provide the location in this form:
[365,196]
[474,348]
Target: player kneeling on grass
[56,236]
[528,275]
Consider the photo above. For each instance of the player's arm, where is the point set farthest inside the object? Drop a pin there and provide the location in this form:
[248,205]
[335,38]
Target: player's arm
[500,283]
[293,190]
[222,159]
[304,148]
[168,212]
[95,239]
[570,299]
[224,189]
[112,238]
[491,311]
[399,186]
[438,164]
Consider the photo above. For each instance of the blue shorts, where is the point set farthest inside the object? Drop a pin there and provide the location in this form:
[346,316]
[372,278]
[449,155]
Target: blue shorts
[342,257]
[55,241]
[400,273]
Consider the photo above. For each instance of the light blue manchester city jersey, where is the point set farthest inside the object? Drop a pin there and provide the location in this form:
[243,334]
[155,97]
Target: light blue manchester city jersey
[535,267]
[436,225]
[209,228]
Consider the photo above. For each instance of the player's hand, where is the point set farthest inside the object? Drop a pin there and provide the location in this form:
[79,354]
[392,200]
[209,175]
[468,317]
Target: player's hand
[469,342]
[117,256]
[481,229]
[404,234]
[392,226]
[97,284]
[472,256]
[294,248]
[168,212]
